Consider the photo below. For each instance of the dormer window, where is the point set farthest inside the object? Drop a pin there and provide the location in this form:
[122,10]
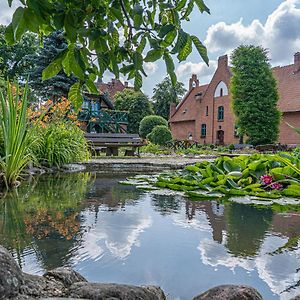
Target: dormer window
[221,90]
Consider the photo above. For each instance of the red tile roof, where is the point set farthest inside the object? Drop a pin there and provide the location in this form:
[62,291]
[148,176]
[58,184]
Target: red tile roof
[288,82]
[196,90]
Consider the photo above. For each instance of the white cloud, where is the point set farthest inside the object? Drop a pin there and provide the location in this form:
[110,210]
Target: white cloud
[6,12]
[277,271]
[185,70]
[280,33]
[150,68]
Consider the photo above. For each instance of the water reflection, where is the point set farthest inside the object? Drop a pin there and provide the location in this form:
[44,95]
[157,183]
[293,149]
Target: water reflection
[117,233]
[44,216]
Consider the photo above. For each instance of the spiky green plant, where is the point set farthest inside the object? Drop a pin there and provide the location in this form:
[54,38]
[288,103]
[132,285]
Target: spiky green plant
[15,133]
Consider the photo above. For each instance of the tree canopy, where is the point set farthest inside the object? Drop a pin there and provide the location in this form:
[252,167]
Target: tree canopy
[14,63]
[138,106]
[254,95]
[115,35]
[164,94]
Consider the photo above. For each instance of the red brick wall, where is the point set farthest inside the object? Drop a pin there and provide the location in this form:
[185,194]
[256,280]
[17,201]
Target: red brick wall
[212,124]
[181,130]
[288,135]
[193,113]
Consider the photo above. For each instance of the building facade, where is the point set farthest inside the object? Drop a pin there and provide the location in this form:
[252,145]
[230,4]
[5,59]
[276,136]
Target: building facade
[112,87]
[206,116]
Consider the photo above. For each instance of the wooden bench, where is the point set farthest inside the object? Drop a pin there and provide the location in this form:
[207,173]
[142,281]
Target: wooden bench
[111,142]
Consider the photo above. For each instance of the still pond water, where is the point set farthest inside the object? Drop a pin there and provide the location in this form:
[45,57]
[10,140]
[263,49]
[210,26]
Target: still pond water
[114,233]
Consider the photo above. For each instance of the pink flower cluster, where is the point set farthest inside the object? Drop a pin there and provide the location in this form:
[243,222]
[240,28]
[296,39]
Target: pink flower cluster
[276,186]
[268,180]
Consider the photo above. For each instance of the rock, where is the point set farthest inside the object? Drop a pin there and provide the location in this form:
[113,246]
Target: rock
[66,276]
[72,168]
[11,277]
[115,291]
[38,286]
[230,292]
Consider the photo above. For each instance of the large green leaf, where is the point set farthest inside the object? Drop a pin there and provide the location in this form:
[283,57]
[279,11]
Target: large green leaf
[18,23]
[200,48]
[75,95]
[202,7]
[153,55]
[186,50]
[53,69]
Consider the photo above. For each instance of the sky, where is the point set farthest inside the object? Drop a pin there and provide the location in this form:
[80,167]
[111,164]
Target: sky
[273,24]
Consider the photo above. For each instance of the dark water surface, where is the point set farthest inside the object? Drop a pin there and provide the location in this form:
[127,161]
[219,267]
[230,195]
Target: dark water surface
[114,233]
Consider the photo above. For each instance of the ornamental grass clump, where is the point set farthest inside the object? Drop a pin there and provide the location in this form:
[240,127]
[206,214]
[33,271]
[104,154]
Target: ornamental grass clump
[15,134]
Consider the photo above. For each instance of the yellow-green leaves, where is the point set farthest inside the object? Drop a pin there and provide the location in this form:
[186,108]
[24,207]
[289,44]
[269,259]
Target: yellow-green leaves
[75,95]
[118,33]
[53,69]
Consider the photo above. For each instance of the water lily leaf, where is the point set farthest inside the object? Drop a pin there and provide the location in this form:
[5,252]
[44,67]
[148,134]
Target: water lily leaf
[207,180]
[203,196]
[194,169]
[236,174]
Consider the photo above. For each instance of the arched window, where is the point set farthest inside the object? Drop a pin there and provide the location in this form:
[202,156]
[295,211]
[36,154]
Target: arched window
[220,113]
[221,90]
[203,130]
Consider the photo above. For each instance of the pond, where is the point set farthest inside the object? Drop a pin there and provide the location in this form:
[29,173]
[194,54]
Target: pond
[115,233]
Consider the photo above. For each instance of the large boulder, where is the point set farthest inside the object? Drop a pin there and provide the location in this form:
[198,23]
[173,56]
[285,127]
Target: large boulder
[38,286]
[66,276]
[115,291]
[11,276]
[230,292]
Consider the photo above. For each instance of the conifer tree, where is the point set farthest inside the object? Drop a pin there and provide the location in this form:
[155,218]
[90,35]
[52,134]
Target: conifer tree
[254,95]
[59,85]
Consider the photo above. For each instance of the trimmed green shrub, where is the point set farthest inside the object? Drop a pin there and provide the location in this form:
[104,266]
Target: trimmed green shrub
[149,122]
[160,135]
[60,143]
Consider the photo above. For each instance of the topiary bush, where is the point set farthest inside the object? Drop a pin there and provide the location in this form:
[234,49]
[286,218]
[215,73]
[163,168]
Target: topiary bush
[149,122]
[160,135]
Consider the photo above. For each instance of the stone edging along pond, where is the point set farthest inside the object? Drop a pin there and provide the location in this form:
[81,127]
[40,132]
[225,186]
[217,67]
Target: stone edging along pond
[65,283]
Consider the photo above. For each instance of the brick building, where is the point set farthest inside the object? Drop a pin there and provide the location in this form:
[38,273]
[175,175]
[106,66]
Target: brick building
[112,87]
[205,113]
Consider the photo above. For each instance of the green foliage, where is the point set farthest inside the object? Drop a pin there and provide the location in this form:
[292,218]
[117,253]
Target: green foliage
[160,135]
[155,149]
[254,95]
[14,60]
[136,104]
[151,30]
[47,81]
[164,94]
[14,129]
[238,176]
[149,122]
[60,143]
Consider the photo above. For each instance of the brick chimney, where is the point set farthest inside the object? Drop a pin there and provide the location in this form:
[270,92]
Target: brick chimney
[223,61]
[194,81]
[297,62]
